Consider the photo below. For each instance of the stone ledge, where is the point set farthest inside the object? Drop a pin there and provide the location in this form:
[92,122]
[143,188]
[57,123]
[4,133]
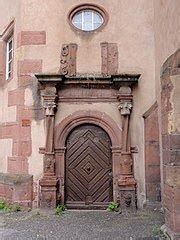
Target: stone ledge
[96,80]
[8,178]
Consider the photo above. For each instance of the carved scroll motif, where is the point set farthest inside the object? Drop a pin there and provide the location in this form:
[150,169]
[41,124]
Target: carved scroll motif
[68,59]
[64,59]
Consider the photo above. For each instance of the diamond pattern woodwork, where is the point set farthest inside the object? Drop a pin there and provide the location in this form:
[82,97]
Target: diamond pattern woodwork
[88,167]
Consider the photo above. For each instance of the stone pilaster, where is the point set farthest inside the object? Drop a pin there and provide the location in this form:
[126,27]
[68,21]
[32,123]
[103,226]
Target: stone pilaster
[48,182]
[126,181]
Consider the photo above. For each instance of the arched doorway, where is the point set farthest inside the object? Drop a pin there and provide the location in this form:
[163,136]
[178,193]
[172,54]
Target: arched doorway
[88,168]
[63,130]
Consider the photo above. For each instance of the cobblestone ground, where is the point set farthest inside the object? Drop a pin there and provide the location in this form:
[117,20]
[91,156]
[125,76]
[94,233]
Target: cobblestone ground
[79,225]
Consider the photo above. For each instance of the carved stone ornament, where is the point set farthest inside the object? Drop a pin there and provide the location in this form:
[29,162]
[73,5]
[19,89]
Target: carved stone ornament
[48,199]
[64,60]
[68,59]
[127,199]
[125,108]
[49,164]
[50,107]
[126,164]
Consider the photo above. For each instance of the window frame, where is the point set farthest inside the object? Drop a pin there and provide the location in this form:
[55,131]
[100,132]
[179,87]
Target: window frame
[5,36]
[82,20]
[9,62]
[85,7]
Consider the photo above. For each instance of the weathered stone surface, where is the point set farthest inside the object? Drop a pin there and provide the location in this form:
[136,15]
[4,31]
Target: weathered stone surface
[152,154]
[17,188]
[171,144]
[173,175]
[29,66]
[109,58]
[31,38]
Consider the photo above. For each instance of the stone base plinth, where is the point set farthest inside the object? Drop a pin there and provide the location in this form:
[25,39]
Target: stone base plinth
[48,196]
[127,192]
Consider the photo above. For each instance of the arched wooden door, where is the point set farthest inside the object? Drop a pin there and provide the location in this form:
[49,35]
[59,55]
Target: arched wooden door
[88,168]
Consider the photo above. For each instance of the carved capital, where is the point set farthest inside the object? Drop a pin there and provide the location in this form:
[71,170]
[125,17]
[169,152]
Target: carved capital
[125,108]
[48,192]
[49,100]
[125,98]
[50,107]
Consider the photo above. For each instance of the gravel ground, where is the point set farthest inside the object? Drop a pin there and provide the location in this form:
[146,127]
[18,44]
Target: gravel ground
[79,225]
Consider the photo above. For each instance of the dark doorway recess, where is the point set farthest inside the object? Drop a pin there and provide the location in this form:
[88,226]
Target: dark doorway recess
[88,168]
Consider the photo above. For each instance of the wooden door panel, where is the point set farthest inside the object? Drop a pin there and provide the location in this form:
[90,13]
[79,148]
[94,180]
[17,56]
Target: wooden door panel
[88,167]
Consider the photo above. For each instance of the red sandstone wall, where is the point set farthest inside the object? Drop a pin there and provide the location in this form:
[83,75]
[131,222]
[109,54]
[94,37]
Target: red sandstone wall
[167,41]
[16,188]
[170,111]
[12,93]
[152,156]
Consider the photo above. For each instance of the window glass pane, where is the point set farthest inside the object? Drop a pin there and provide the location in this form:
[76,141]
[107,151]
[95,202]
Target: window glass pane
[78,25]
[97,18]
[96,25]
[77,18]
[87,26]
[9,74]
[87,17]
[9,66]
[10,45]
[10,55]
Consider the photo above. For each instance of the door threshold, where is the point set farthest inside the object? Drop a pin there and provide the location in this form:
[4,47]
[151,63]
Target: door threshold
[85,210]
[87,207]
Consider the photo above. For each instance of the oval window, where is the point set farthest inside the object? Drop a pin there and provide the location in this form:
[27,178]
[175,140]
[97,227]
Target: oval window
[87,20]
[87,17]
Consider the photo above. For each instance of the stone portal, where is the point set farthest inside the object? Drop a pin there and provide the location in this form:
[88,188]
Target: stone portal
[120,87]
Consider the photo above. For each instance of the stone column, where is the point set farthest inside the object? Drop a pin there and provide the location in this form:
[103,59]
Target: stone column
[126,181]
[48,182]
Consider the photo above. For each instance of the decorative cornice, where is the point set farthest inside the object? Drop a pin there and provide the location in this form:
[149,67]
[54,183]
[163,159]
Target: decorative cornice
[87,80]
[47,78]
